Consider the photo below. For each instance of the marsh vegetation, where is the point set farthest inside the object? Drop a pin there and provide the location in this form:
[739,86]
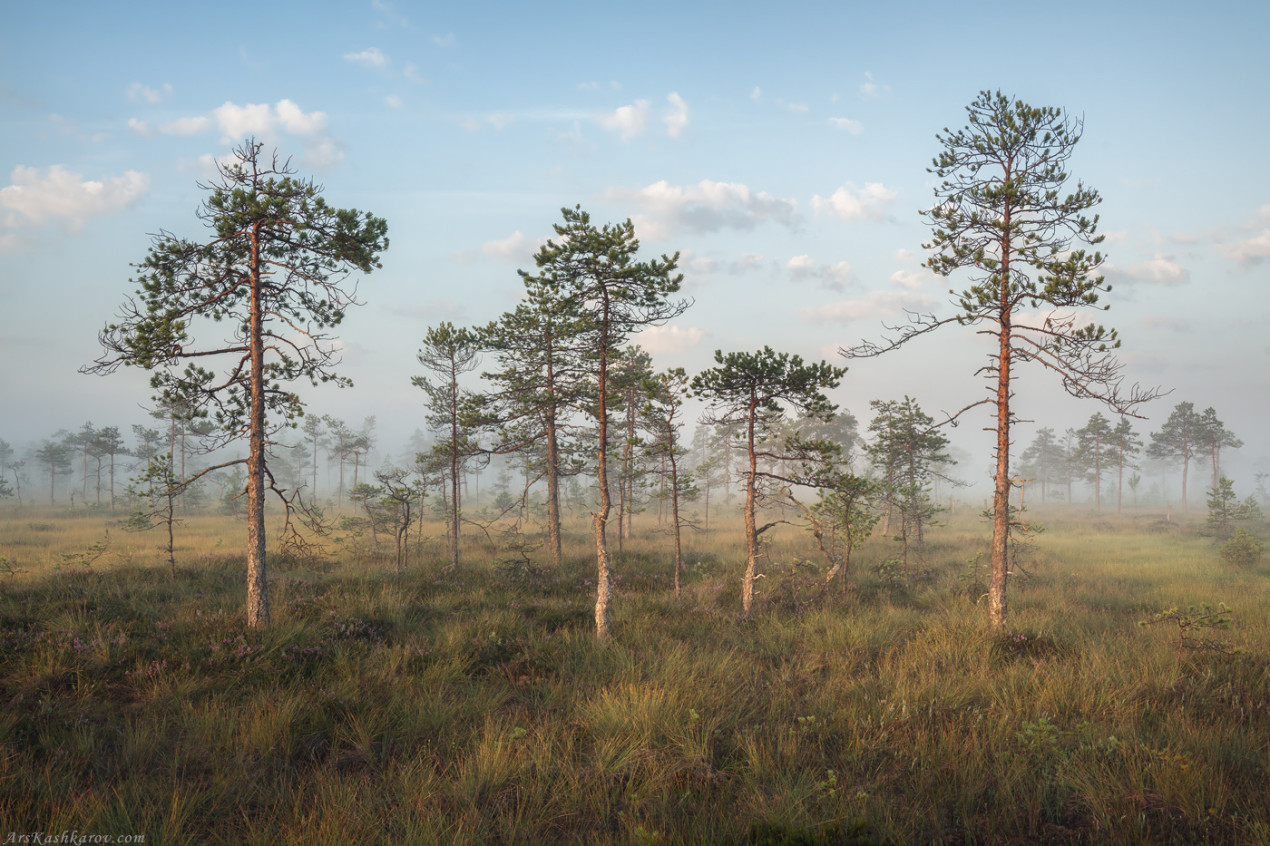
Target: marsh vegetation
[474,703]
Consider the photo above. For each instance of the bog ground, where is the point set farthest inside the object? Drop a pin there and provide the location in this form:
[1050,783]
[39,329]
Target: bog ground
[472,704]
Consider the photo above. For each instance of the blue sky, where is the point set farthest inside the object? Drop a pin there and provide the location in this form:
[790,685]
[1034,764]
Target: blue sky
[781,149]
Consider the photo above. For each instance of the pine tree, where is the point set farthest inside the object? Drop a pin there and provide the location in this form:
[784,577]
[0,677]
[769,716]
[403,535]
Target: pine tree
[1000,214]
[272,272]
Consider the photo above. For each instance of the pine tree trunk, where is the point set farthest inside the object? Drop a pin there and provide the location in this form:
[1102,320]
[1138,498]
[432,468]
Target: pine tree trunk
[997,607]
[603,586]
[257,583]
[751,528]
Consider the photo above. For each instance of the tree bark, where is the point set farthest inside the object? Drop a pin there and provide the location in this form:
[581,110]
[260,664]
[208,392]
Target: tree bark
[257,584]
[751,529]
[997,606]
[603,585]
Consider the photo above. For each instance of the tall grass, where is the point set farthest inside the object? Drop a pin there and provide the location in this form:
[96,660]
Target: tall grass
[474,705]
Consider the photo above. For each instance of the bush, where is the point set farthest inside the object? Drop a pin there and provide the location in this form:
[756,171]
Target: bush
[1243,549]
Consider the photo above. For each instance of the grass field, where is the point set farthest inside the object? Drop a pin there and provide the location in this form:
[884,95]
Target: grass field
[474,705]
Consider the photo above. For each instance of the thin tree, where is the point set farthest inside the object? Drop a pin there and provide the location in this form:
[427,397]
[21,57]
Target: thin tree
[1214,436]
[664,396]
[108,444]
[908,450]
[1000,214]
[448,352]
[756,390]
[1094,447]
[57,456]
[400,491]
[1042,459]
[595,271]
[274,271]
[1180,439]
[1126,444]
[16,468]
[156,490]
[540,351]
[313,432]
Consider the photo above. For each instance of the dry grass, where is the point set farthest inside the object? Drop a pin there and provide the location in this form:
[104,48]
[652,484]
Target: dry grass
[475,706]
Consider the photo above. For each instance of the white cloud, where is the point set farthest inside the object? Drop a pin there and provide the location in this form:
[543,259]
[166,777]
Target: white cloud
[756,94]
[186,126]
[1250,251]
[704,265]
[676,117]
[831,276]
[1160,270]
[854,127]
[323,154]
[515,248]
[797,108]
[446,40]
[39,195]
[904,256]
[852,204]
[912,280]
[746,263]
[627,121]
[392,101]
[705,207]
[15,242]
[800,266]
[669,340]
[371,57]
[237,121]
[139,93]
[295,121]
[871,89]
[411,72]
[874,305]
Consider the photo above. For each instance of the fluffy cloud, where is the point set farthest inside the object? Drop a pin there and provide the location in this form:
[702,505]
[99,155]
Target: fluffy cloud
[669,340]
[39,195]
[1255,249]
[852,204]
[236,121]
[913,280]
[676,117]
[832,276]
[262,120]
[1160,270]
[874,305]
[705,207]
[746,263]
[515,248]
[627,121]
[371,57]
[847,125]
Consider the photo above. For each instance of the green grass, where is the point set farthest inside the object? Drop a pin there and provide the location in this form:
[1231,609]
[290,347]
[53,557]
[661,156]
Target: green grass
[475,705]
